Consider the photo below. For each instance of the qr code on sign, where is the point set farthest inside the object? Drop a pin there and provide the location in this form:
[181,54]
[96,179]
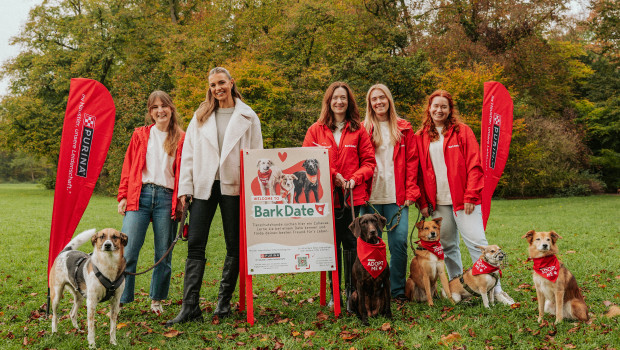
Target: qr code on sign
[302,261]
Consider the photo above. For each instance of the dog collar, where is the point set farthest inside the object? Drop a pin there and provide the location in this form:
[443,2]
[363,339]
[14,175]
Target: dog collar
[547,266]
[481,266]
[433,247]
[372,256]
[110,287]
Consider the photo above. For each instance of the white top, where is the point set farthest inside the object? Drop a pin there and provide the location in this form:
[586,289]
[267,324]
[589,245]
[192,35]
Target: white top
[222,119]
[383,182]
[338,132]
[158,168]
[435,150]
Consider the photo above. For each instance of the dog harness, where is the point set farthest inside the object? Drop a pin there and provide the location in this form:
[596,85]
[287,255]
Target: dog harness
[372,256]
[110,287]
[473,292]
[433,247]
[76,261]
[547,266]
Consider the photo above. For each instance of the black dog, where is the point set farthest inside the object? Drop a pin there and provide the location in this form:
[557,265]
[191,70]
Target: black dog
[307,180]
[372,295]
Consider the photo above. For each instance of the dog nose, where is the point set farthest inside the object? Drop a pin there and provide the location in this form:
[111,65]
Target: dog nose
[107,245]
[545,246]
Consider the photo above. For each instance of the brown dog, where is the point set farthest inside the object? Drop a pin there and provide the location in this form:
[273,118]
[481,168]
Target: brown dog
[426,266]
[370,273]
[556,287]
[98,277]
[481,278]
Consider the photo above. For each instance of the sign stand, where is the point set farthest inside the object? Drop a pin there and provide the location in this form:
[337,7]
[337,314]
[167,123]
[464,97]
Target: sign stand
[246,294]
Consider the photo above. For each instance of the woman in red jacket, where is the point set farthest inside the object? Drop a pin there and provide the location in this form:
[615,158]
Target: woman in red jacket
[351,157]
[451,182]
[147,192]
[394,185]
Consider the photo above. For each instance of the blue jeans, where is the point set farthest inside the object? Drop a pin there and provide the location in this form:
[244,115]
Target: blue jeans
[397,242]
[155,205]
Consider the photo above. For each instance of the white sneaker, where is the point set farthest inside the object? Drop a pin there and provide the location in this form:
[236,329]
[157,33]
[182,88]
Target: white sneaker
[156,307]
[504,298]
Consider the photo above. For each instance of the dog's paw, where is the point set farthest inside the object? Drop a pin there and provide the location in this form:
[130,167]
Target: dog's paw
[540,319]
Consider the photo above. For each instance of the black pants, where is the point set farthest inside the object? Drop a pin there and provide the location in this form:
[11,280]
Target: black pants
[201,216]
[344,237]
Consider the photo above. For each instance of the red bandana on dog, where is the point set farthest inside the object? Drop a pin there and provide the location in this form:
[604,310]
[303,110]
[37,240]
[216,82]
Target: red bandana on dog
[433,247]
[482,267]
[372,256]
[264,177]
[312,178]
[547,266]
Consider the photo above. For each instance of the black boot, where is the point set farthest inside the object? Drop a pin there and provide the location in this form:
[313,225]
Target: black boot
[227,286]
[348,258]
[190,310]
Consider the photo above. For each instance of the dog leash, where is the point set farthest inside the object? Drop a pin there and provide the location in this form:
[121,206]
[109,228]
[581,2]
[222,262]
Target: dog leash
[348,195]
[389,227]
[180,235]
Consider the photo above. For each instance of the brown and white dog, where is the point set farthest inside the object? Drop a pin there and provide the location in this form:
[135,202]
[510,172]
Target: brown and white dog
[268,176]
[98,277]
[427,266]
[556,287]
[370,272]
[481,278]
[287,187]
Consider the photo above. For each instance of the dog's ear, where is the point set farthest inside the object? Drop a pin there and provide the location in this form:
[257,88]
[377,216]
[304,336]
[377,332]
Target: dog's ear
[294,177]
[269,162]
[529,236]
[305,163]
[382,221]
[481,247]
[258,163]
[420,224]
[355,227]
[124,239]
[93,239]
[554,236]
[438,221]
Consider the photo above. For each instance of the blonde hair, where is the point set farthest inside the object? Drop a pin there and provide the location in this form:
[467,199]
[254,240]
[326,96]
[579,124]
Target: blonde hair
[210,104]
[371,122]
[173,128]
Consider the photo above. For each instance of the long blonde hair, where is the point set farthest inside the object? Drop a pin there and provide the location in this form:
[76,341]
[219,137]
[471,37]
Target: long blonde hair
[371,122]
[173,128]
[210,104]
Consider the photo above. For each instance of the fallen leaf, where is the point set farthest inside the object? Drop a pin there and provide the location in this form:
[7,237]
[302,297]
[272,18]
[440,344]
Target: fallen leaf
[573,330]
[172,333]
[346,335]
[34,294]
[607,303]
[515,306]
[296,334]
[417,346]
[386,327]
[613,311]
[570,252]
[278,345]
[472,333]
[570,346]
[321,316]
[308,334]
[450,338]
[121,325]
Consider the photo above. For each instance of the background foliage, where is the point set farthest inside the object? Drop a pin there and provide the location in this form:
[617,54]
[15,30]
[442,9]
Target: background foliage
[562,73]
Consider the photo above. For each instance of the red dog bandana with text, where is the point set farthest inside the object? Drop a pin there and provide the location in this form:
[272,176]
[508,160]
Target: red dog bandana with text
[264,177]
[548,267]
[433,247]
[482,267]
[372,256]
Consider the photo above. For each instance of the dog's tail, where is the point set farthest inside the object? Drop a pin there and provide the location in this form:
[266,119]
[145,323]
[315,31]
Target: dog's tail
[80,239]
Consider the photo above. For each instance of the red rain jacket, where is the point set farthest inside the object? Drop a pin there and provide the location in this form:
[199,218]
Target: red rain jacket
[465,175]
[405,165]
[135,160]
[353,158]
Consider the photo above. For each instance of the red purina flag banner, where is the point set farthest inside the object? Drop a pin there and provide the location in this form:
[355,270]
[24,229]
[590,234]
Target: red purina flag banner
[495,136]
[86,136]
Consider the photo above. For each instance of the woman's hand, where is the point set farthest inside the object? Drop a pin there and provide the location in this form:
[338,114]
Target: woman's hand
[409,203]
[339,181]
[469,208]
[349,184]
[122,205]
[425,212]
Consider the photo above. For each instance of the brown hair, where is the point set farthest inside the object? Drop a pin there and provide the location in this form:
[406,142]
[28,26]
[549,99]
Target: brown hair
[327,115]
[210,104]
[173,129]
[372,123]
[453,117]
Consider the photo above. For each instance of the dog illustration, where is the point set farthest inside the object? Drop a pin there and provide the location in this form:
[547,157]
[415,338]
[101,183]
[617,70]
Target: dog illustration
[287,187]
[307,180]
[427,266]
[556,287]
[481,278]
[268,176]
[370,272]
[99,277]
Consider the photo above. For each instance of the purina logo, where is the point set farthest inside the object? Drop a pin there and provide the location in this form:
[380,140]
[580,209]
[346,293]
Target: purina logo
[86,143]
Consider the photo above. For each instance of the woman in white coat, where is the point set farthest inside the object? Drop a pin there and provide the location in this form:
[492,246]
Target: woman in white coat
[210,176]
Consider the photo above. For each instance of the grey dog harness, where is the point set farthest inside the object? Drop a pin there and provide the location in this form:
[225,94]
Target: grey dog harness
[473,292]
[76,261]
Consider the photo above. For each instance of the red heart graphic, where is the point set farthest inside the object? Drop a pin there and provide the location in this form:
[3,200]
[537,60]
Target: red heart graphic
[282,156]
[320,208]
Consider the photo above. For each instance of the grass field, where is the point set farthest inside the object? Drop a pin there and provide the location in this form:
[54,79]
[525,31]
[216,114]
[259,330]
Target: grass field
[293,318]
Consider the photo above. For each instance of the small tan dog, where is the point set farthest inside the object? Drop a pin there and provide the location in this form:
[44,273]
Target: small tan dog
[556,287]
[98,277]
[427,265]
[481,278]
